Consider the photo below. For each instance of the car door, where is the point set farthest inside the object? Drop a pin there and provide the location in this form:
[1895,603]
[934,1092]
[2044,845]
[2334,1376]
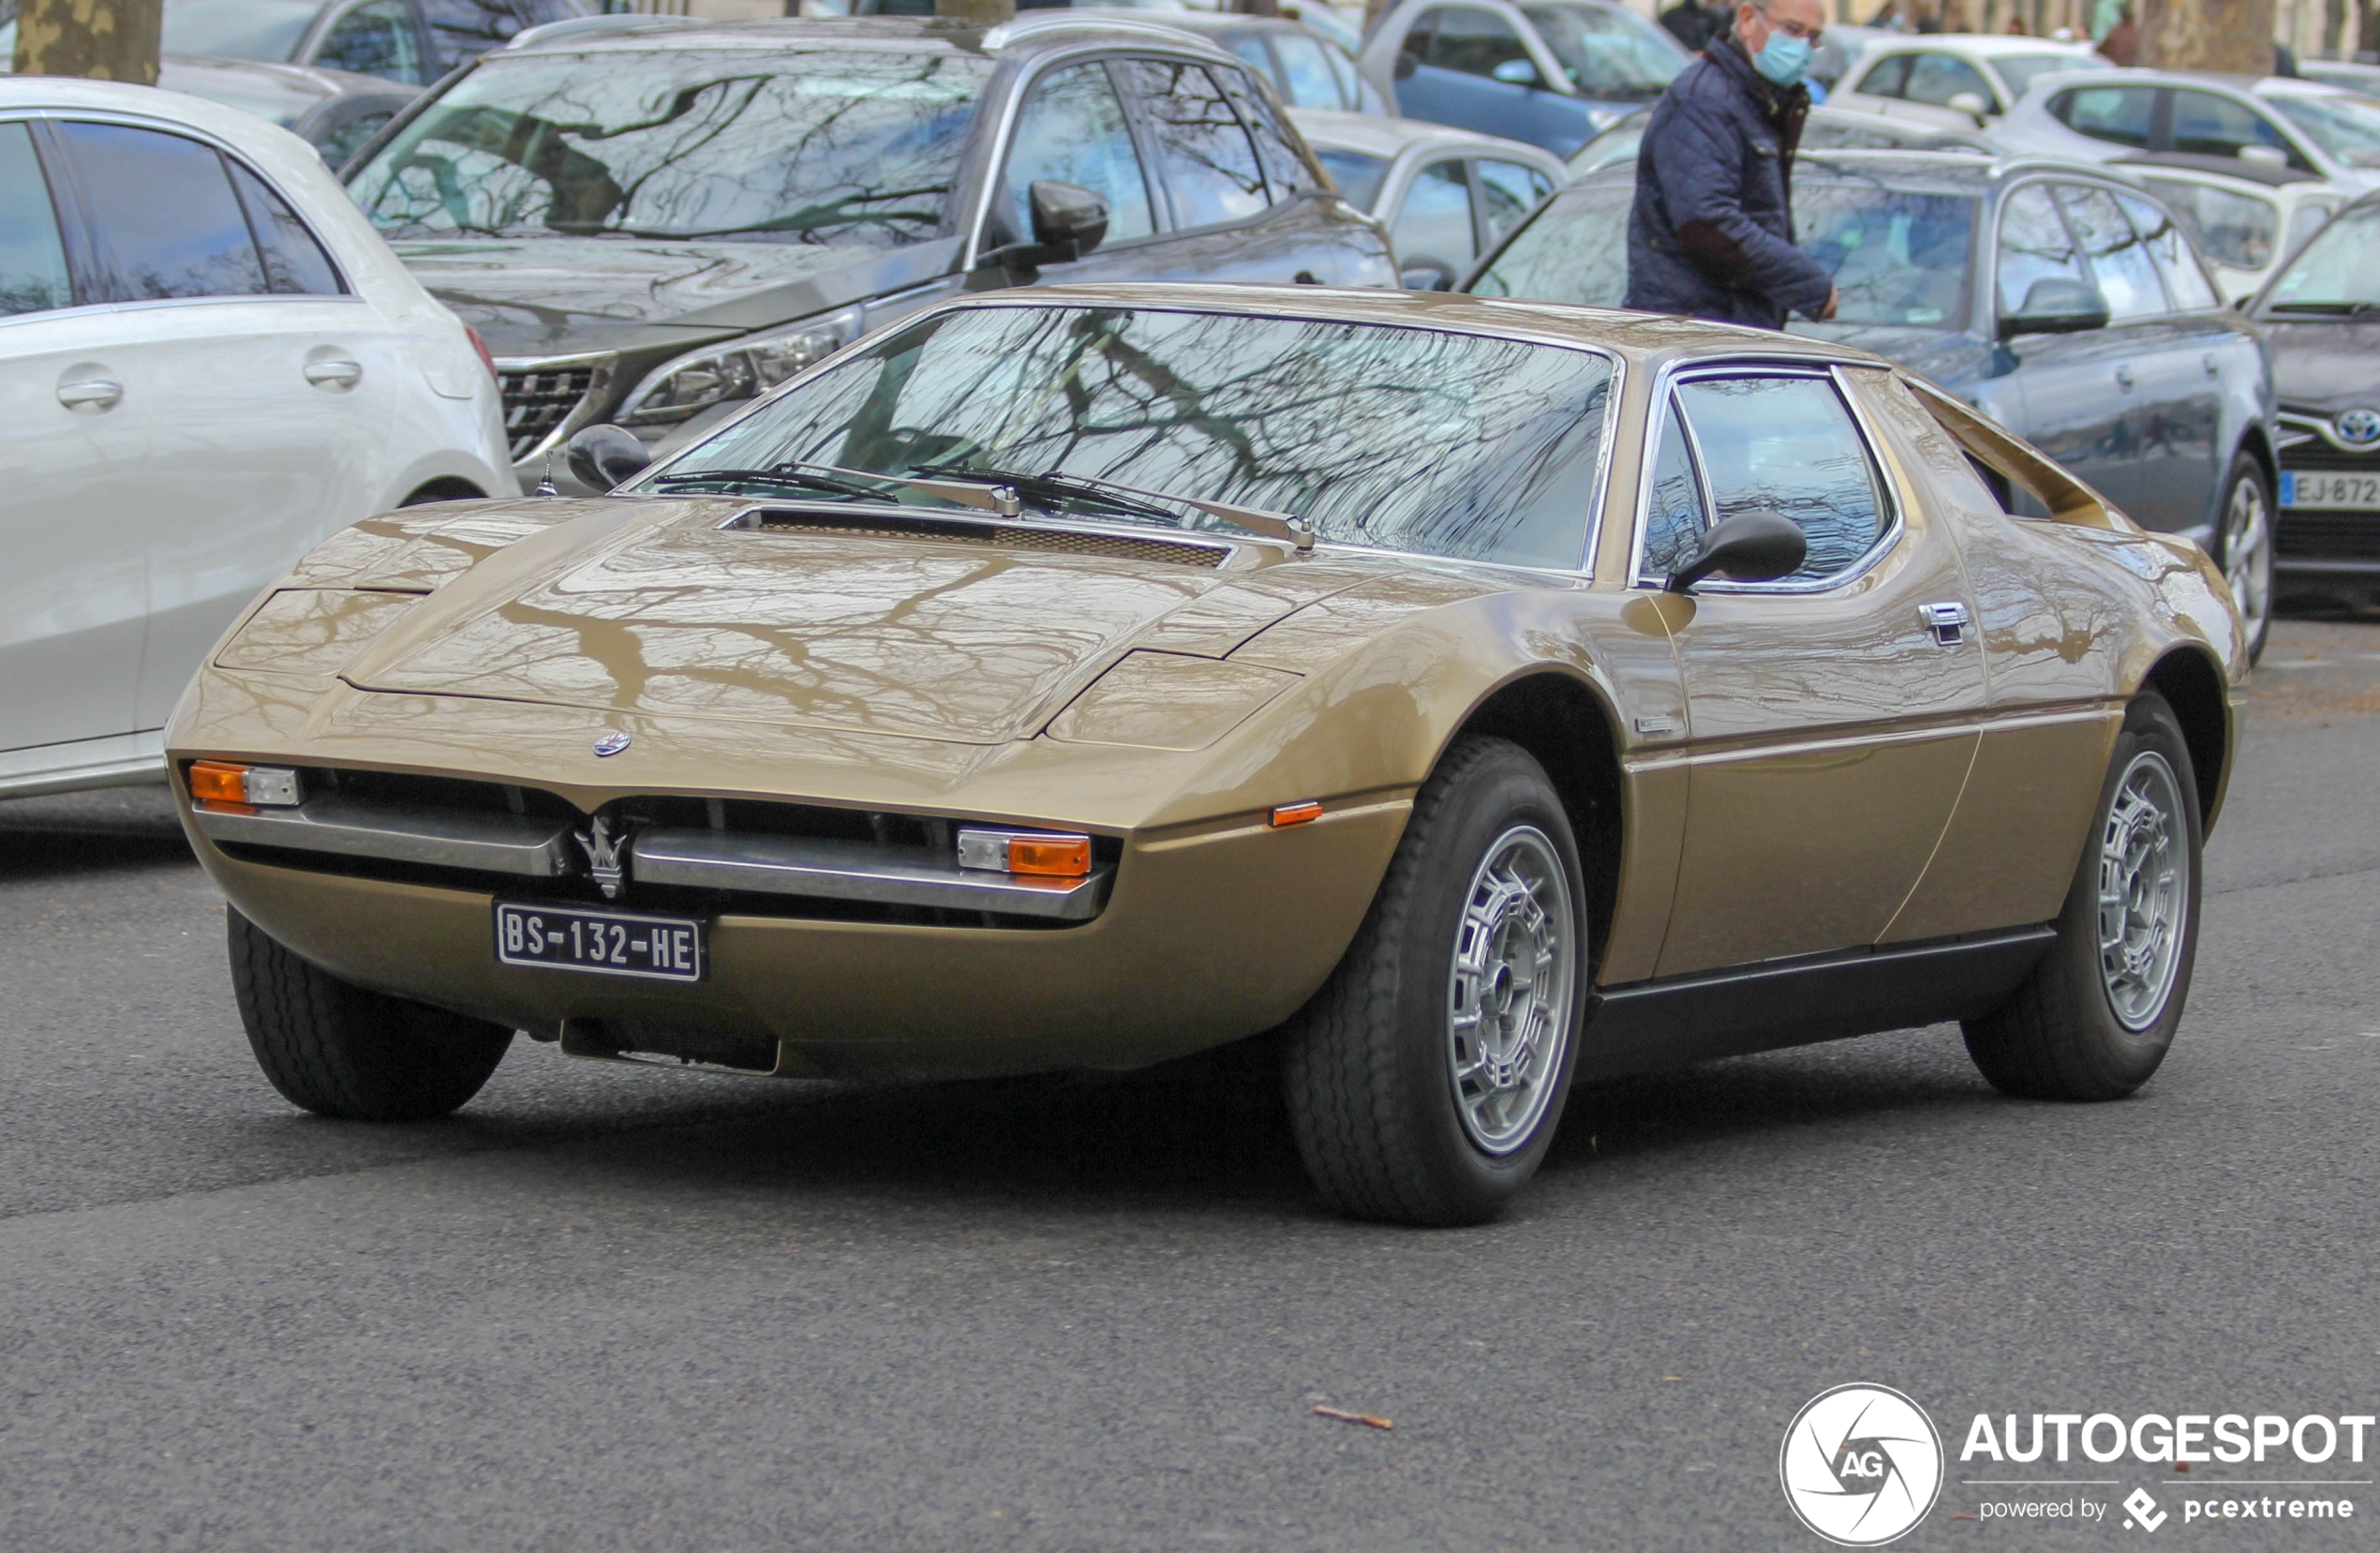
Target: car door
[73,604]
[1072,127]
[1446,73]
[2070,385]
[2183,463]
[1832,716]
[262,393]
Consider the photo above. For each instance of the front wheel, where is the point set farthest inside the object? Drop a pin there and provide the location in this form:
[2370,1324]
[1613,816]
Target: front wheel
[2243,548]
[1425,1080]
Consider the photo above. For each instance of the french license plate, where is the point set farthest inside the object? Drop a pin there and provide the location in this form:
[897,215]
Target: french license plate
[2304,488]
[608,943]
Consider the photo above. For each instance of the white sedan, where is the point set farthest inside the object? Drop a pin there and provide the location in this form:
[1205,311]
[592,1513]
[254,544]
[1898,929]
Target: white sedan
[209,362]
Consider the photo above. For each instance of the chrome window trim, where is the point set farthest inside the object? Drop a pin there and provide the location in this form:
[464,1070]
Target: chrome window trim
[1888,496]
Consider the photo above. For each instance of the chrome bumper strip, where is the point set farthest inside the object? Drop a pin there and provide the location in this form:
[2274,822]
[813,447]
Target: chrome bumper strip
[498,843]
[849,871]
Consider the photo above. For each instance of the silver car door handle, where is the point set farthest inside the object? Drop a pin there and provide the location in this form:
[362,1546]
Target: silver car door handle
[334,374]
[90,394]
[2123,375]
[1947,621]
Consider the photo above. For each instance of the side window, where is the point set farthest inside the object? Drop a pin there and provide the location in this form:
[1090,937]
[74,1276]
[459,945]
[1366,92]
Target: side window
[33,260]
[2177,261]
[1307,80]
[1473,42]
[1358,175]
[1073,129]
[294,263]
[2210,125]
[2231,228]
[1250,49]
[1508,191]
[165,213]
[375,40]
[1204,155]
[2117,114]
[1939,78]
[1420,38]
[2120,259]
[1788,445]
[1887,77]
[1673,516]
[2034,246]
[1284,166]
[2311,216]
[1436,220]
[465,29]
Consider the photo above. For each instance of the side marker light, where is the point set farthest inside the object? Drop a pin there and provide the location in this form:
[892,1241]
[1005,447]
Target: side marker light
[1304,812]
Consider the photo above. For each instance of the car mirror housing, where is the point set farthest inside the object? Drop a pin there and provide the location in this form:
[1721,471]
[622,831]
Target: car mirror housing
[1517,72]
[1068,221]
[2263,155]
[1747,547]
[1970,103]
[2057,304]
[605,455]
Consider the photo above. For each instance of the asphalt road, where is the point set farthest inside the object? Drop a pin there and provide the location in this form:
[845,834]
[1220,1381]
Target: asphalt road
[605,1308]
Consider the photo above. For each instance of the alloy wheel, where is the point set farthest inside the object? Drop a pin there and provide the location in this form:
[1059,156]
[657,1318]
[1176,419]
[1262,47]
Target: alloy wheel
[1512,989]
[2144,891]
[2247,554]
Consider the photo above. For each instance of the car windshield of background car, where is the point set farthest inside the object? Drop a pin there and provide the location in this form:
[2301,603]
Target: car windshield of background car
[465,29]
[2021,70]
[845,147]
[1608,54]
[1306,64]
[1575,250]
[1898,256]
[2348,131]
[1395,437]
[237,29]
[1358,175]
[2233,229]
[2339,271]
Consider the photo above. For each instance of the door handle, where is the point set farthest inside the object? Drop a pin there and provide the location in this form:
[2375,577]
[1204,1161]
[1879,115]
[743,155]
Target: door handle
[91,393]
[1947,621]
[334,373]
[2123,374]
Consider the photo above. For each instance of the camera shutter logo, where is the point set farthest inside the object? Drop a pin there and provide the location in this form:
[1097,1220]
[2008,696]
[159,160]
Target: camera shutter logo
[2357,429]
[1861,1465]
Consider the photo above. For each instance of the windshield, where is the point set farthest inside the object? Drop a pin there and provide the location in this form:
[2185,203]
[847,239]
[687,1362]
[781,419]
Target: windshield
[845,146]
[1358,175]
[1898,256]
[2022,70]
[1608,54]
[1397,437]
[2339,271]
[2230,227]
[2346,131]
[1575,250]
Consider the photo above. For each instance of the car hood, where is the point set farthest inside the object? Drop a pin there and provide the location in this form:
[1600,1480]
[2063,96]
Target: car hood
[2323,364]
[651,608]
[544,296]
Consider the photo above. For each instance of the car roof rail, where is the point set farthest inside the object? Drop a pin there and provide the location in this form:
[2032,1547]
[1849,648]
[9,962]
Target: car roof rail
[1059,20]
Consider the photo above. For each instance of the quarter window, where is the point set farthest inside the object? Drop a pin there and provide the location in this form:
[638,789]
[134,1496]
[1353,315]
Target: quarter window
[1073,130]
[33,260]
[2210,125]
[1787,446]
[1203,151]
[2234,229]
[2117,114]
[165,213]
[1277,145]
[294,263]
[1436,220]
[2177,261]
[1674,518]
[2034,246]
[2120,258]
[1937,78]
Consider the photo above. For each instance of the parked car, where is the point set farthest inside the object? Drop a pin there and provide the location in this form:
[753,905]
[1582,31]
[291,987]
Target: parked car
[2321,319]
[208,362]
[2106,115]
[1556,73]
[1301,64]
[1444,195]
[332,111]
[1840,48]
[2246,216]
[653,225]
[2345,74]
[1088,677]
[1827,129]
[2065,303]
[1953,80]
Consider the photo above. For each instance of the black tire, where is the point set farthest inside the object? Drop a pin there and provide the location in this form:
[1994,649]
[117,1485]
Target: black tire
[1368,1064]
[2244,538]
[337,1050]
[2061,1037]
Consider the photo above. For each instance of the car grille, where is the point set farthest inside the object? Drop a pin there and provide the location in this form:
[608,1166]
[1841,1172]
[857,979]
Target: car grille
[538,399]
[2320,456]
[1063,540]
[2327,536]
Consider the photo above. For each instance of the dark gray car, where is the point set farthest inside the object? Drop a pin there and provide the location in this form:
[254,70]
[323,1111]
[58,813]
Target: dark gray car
[656,224]
[2063,300]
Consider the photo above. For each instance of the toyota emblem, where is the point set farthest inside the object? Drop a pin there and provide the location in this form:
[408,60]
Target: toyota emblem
[611,743]
[2358,428]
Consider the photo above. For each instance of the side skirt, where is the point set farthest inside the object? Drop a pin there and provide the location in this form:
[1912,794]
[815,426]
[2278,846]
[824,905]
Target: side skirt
[1646,1025]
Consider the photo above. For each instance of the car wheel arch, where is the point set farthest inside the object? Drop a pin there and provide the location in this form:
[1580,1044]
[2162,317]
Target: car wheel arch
[446,488]
[2191,684]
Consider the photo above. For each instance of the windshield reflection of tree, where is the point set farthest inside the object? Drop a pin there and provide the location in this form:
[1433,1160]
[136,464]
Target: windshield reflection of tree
[862,154]
[1403,439]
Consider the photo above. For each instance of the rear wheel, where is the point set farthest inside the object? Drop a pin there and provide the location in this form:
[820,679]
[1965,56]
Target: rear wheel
[2097,1015]
[1426,1078]
[2243,548]
[337,1050]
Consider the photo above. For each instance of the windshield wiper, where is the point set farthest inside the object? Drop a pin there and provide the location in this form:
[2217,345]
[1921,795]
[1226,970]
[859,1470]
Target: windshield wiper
[1114,494]
[2328,310]
[800,475]
[794,475]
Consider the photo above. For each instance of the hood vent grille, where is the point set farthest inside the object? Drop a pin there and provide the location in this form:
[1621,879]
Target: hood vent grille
[938,531]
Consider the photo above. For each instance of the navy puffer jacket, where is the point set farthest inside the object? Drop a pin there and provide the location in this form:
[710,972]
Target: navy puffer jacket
[1711,235]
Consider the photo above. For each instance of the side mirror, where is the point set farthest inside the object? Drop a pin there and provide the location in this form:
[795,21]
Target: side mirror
[604,457]
[1970,103]
[1425,275]
[1747,547]
[1068,221]
[1516,72]
[2263,155]
[2057,304]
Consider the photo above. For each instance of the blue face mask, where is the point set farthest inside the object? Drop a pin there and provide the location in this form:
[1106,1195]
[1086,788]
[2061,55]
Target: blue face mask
[1784,60]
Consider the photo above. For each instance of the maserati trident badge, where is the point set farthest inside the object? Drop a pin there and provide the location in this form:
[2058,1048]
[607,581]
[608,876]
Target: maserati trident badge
[611,743]
[603,849]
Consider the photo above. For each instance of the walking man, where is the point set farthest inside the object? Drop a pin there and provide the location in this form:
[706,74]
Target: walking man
[1712,234]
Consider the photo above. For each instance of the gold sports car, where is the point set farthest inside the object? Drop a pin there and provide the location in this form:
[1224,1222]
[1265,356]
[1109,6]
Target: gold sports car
[1479,693]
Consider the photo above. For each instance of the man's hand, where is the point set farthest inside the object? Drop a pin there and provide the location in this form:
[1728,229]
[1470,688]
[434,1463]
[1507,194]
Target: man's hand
[1834,299]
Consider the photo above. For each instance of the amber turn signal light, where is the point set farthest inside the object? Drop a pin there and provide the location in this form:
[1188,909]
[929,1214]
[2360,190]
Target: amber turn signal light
[223,785]
[1051,856]
[213,782]
[1297,814]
